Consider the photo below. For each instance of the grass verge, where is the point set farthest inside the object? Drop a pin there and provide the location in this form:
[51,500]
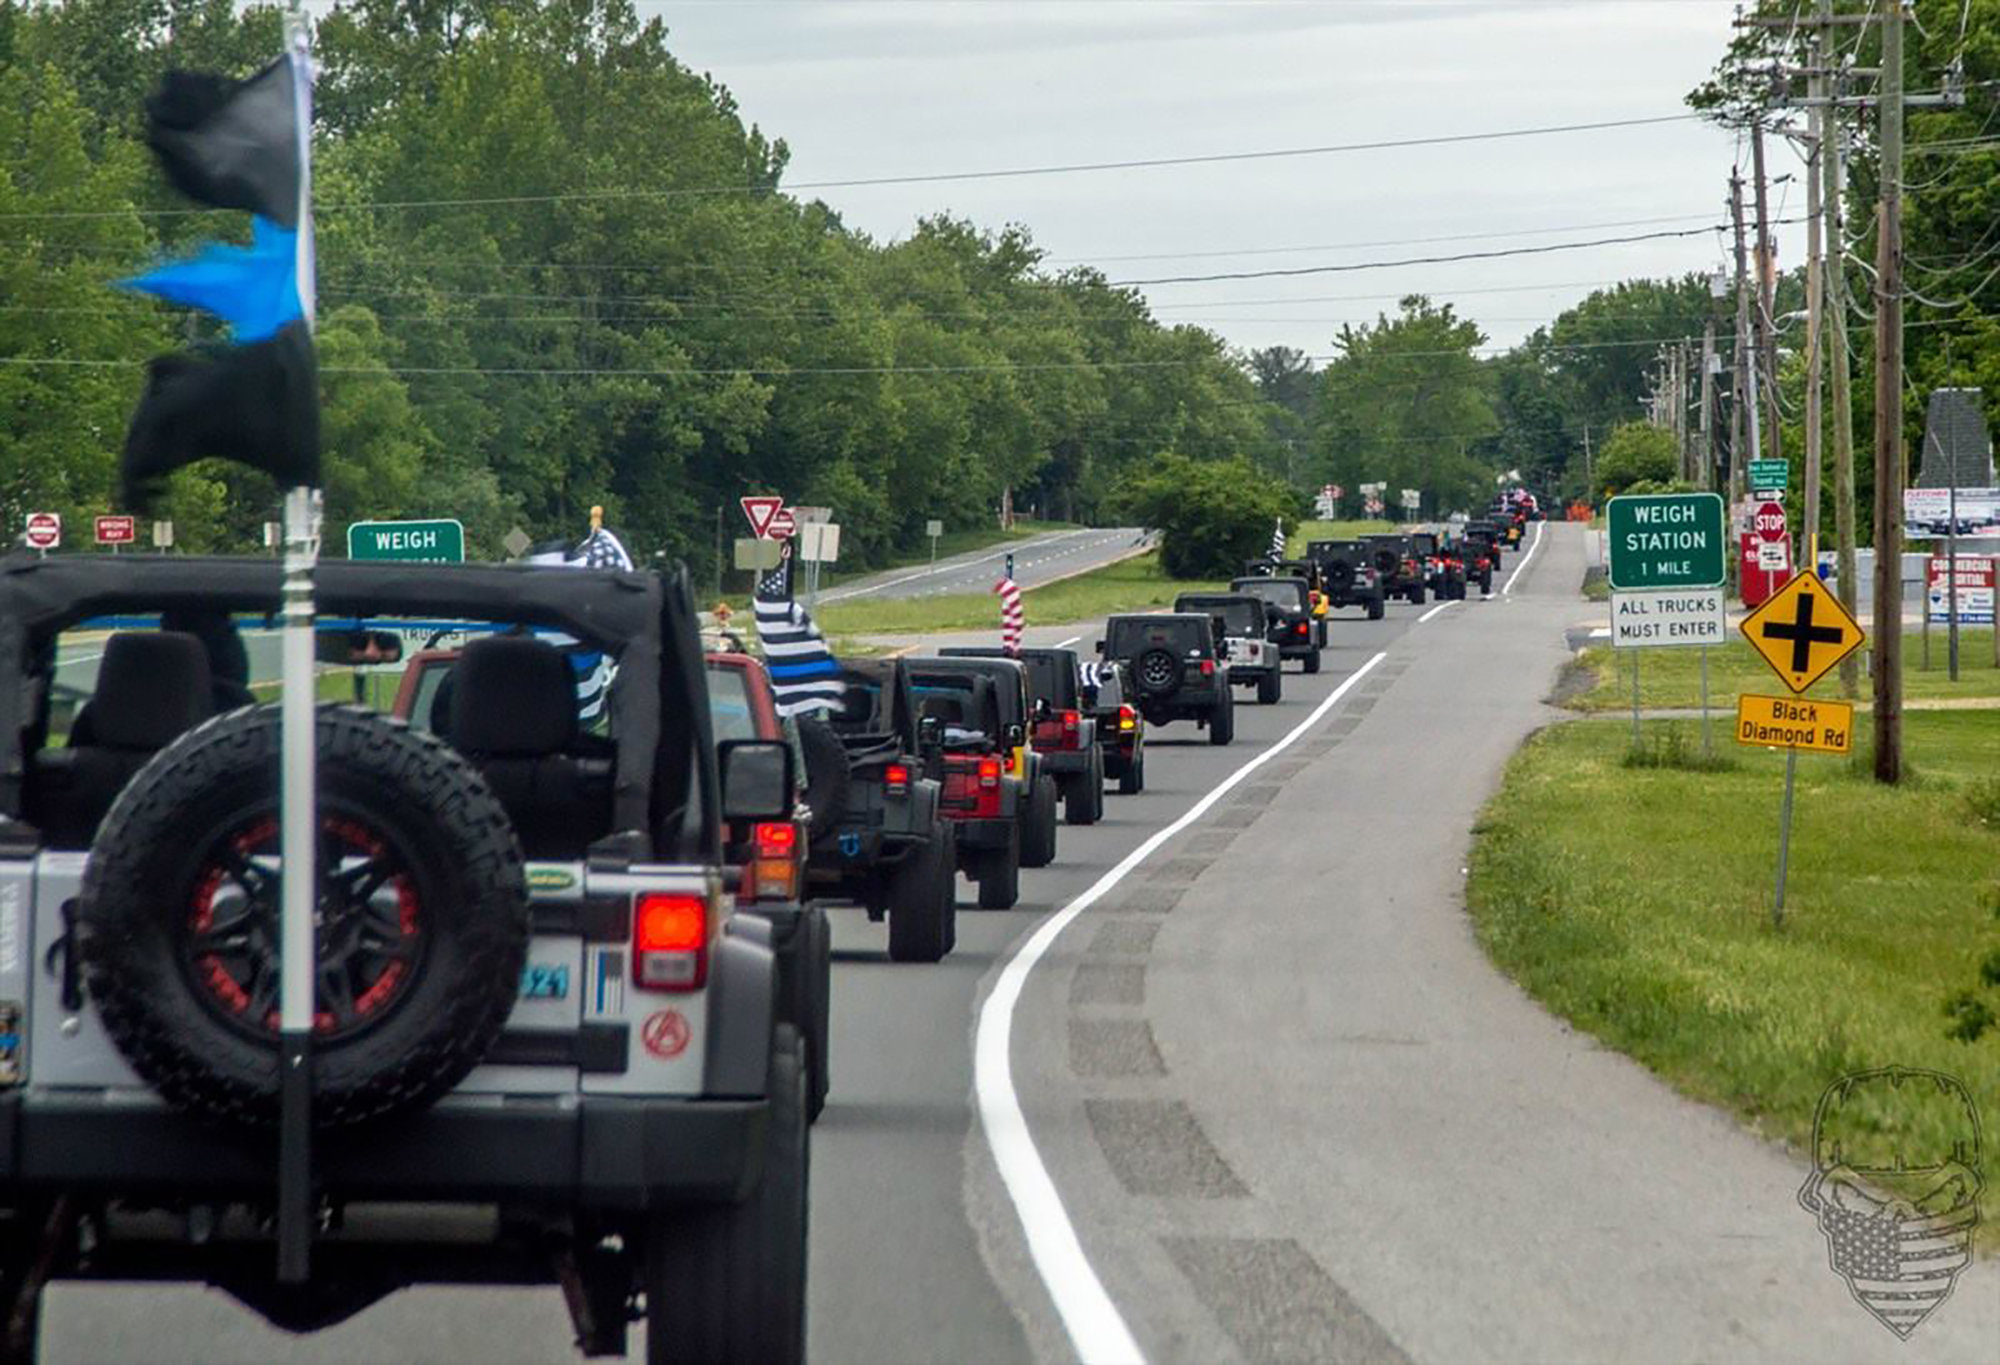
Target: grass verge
[1135,584]
[1636,902]
[1672,677]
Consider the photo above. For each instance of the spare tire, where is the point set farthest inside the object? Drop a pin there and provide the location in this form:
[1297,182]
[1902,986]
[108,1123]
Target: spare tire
[1158,673]
[423,918]
[826,772]
[1339,573]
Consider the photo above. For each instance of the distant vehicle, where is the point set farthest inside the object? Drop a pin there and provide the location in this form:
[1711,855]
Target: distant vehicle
[1177,673]
[960,712]
[1400,566]
[1121,730]
[1063,732]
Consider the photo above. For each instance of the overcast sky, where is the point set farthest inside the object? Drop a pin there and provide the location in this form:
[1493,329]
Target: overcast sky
[869,88]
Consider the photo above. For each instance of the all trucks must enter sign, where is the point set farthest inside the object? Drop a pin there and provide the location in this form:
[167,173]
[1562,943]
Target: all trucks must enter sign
[429,542]
[1668,616]
[1666,540]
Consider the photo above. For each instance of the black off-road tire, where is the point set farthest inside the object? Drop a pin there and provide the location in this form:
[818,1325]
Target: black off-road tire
[1312,662]
[1000,875]
[826,772]
[727,1282]
[920,913]
[1375,608]
[1271,687]
[1083,802]
[810,1001]
[1133,780]
[1157,673]
[1038,831]
[165,843]
[1222,721]
[1417,595]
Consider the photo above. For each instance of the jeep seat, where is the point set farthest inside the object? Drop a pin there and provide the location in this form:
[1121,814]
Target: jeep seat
[513,715]
[152,687]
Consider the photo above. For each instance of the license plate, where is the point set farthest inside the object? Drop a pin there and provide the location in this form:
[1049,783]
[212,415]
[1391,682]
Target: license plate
[543,981]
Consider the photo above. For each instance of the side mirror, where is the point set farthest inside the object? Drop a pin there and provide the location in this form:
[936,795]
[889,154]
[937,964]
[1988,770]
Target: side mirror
[353,647]
[756,779]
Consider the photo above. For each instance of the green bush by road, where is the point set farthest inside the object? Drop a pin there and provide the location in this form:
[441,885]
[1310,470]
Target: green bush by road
[1637,904]
[1136,584]
[1672,677]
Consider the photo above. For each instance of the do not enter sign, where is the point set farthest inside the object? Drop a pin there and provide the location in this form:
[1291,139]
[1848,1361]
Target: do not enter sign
[1769,521]
[43,530]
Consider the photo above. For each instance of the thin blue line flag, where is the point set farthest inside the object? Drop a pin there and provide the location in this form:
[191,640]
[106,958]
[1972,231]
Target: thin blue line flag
[253,398]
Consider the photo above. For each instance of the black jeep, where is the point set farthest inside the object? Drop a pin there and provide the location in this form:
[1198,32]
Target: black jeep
[1062,730]
[1480,554]
[1443,569]
[1293,628]
[1024,763]
[972,746]
[1243,623]
[1396,562]
[533,999]
[1347,567]
[1177,673]
[878,838]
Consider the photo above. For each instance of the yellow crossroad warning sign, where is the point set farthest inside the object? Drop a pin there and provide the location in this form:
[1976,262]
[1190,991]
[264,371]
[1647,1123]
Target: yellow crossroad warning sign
[1788,723]
[1802,631]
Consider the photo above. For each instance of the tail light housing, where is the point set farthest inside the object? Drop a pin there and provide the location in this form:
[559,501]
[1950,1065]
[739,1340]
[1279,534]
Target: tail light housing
[1207,668]
[1128,719]
[1301,628]
[1072,728]
[897,778]
[773,873]
[670,941]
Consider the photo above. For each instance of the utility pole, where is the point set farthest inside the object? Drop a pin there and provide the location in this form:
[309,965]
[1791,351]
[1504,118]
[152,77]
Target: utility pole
[1888,643]
[1832,154]
[1707,474]
[1767,313]
[1748,437]
[1816,319]
[1589,478]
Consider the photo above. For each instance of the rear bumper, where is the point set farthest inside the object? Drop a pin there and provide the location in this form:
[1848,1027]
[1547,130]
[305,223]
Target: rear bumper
[1064,762]
[981,836]
[594,1152]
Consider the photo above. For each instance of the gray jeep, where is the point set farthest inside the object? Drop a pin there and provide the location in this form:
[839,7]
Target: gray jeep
[535,1013]
[1176,670]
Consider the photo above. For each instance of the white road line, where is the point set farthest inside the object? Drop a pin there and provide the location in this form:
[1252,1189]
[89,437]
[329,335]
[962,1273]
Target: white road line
[1522,567]
[1435,610]
[1096,1328]
[1065,644]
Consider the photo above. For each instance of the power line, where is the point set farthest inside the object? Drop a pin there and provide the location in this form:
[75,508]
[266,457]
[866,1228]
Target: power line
[933,178]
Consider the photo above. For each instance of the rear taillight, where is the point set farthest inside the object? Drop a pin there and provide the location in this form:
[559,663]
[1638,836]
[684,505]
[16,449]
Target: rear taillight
[989,772]
[669,942]
[1207,667]
[1072,728]
[1301,628]
[773,874]
[898,779]
[1128,719]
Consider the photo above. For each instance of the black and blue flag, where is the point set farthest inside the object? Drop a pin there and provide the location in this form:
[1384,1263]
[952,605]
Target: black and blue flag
[254,396]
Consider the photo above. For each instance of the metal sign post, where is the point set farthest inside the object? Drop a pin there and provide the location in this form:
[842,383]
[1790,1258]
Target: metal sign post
[934,529]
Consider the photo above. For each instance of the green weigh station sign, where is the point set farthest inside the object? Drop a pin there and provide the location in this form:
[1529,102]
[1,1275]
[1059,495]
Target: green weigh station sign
[428,542]
[1666,540]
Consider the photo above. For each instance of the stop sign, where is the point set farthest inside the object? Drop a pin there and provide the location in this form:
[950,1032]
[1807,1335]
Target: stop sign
[1769,521]
[44,530]
[783,525]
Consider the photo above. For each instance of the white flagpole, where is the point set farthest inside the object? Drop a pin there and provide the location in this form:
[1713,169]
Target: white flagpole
[300,881]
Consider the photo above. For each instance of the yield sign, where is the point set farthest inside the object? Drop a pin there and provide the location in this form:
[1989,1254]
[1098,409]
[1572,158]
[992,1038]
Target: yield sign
[760,511]
[1802,631]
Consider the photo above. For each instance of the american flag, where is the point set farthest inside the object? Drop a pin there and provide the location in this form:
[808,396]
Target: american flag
[804,675]
[1011,616]
[1277,551]
[1900,1268]
[601,549]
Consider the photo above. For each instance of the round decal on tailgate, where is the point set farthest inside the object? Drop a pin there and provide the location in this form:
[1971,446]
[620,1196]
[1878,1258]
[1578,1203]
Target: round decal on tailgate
[665,1033]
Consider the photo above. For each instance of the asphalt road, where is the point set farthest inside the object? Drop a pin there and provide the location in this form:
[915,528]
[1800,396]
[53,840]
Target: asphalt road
[1037,559]
[1284,1108]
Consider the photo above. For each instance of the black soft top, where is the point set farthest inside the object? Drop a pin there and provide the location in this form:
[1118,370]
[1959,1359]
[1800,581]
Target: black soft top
[1052,672]
[961,699]
[879,717]
[1241,613]
[1321,550]
[1008,676]
[1295,600]
[665,779]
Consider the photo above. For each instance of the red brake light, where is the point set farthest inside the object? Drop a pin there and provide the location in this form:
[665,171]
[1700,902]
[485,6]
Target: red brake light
[989,772]
[1072,721]
[670,942]
[1128,719]
[1207,667]
[777,840]
[898,778]
[1302,628]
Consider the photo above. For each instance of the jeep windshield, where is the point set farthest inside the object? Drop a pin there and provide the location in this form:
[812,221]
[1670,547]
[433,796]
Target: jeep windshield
[1238,617]
[1132,636]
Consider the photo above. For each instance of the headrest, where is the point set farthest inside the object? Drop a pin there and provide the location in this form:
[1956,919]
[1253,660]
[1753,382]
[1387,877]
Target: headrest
[512,697]
[152,687]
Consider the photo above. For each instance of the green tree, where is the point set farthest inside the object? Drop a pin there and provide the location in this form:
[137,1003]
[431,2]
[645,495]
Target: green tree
[1636,452]
[1212,515]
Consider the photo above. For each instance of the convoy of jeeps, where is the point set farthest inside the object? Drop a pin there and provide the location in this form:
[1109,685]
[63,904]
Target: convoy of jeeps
[573,962]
